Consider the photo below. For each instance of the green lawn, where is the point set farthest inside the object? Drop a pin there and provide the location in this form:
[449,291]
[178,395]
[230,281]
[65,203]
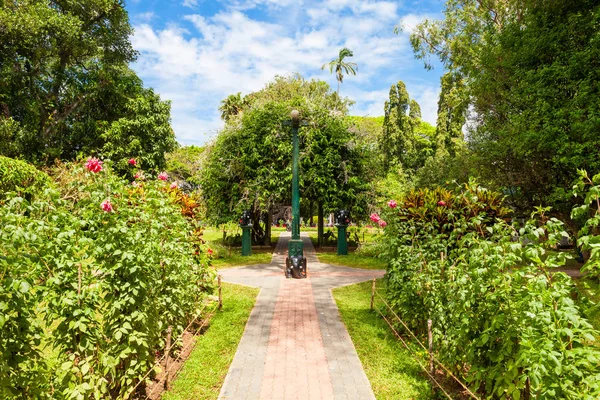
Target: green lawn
[389,366]
[352,260]
[204,372]
[235,259]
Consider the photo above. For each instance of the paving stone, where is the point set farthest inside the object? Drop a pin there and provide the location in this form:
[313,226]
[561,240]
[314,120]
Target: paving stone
[295,345]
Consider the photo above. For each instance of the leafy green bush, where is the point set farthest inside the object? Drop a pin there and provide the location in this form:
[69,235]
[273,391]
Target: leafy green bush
[503,321]
[589,211]
[110,266]
[21,177]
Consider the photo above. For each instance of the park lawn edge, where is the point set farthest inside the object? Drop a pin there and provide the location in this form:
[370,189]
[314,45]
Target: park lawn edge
[204,372]
[390,368]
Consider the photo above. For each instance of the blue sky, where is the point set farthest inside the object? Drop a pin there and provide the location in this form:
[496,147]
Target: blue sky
[196,52]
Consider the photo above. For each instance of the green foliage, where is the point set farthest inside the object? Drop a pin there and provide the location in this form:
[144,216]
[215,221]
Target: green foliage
[144,133]
[22,178]
[184,164]
[340,66]
[530,72]
[405,139]
[589,212]
[109,283]
[249,164]
[503,321]
[66,87]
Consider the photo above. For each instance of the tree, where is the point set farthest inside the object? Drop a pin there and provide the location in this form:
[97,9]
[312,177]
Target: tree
[65,81]
[340,66]
[405,138]
[231,106]
[531,71]
[249,164]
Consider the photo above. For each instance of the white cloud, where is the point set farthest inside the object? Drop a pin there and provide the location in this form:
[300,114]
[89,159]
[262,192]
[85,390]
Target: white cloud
[189,3]
[200,60]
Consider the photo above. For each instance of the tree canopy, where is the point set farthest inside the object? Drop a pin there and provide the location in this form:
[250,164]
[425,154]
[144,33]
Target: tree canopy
[249,164]
[530,72]
[66,88]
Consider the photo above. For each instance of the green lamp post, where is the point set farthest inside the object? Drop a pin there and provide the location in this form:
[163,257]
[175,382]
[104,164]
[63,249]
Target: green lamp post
[295,262]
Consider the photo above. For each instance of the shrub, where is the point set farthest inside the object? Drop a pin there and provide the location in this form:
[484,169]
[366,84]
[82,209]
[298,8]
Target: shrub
[502,320]
[110,265]
[21,177]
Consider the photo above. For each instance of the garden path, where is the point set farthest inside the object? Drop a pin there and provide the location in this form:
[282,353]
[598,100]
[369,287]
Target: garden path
[295,345]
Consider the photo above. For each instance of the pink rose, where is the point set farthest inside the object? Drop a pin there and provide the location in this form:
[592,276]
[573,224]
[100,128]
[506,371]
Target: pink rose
[132,161]
[163,176]
[173,185]
[442,203]
[374,217]
[382,223]
[392,204]
[94,165]
[106,206]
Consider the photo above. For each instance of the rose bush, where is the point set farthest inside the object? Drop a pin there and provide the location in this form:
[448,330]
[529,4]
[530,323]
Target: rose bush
[109,266]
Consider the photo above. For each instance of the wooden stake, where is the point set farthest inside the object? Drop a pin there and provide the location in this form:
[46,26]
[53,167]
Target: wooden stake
[430,337]
[167,352]
[220,293]
[373,295]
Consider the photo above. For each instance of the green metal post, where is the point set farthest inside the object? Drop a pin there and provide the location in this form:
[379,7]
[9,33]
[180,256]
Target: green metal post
[342,242]
[295,245]
[246,240]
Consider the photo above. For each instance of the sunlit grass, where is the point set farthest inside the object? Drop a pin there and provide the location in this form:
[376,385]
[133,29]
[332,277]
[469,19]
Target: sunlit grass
[204,371]
[352,260]
[389,366]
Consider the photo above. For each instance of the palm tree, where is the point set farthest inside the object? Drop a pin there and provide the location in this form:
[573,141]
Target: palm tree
[340,66]
[231,106]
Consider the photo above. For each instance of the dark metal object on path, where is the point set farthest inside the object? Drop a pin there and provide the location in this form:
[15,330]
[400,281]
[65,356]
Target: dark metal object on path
[342,219]
[295,262]
[246,225]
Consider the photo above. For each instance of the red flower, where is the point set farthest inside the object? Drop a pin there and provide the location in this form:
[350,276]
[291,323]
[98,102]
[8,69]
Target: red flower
[173,185]
[106,206]
[209,252]
[442,203]
[382,223]
[94,165]
[132,161]
[392,204]
[163,176]
[374,217]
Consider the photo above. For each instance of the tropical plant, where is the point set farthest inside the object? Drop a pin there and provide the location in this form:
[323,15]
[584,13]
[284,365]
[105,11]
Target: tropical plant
[503,320]
[340,66]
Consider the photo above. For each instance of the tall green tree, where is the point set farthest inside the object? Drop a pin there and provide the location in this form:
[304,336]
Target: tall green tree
[340,66]
[531,69]
[405,139]
[65,83]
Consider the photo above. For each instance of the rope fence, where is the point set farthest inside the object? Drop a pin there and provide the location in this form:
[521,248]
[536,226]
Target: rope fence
[168,346]
[432,358]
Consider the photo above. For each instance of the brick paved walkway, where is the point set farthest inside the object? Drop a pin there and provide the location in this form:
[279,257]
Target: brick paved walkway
[295,345]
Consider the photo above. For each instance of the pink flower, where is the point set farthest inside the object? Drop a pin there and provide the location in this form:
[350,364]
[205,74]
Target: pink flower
[382,223]
[209,252]
[106,206]
[94,165]
[442,203]
[132,161]
[163,176]
[173,185]
[374,217]
[392,204]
